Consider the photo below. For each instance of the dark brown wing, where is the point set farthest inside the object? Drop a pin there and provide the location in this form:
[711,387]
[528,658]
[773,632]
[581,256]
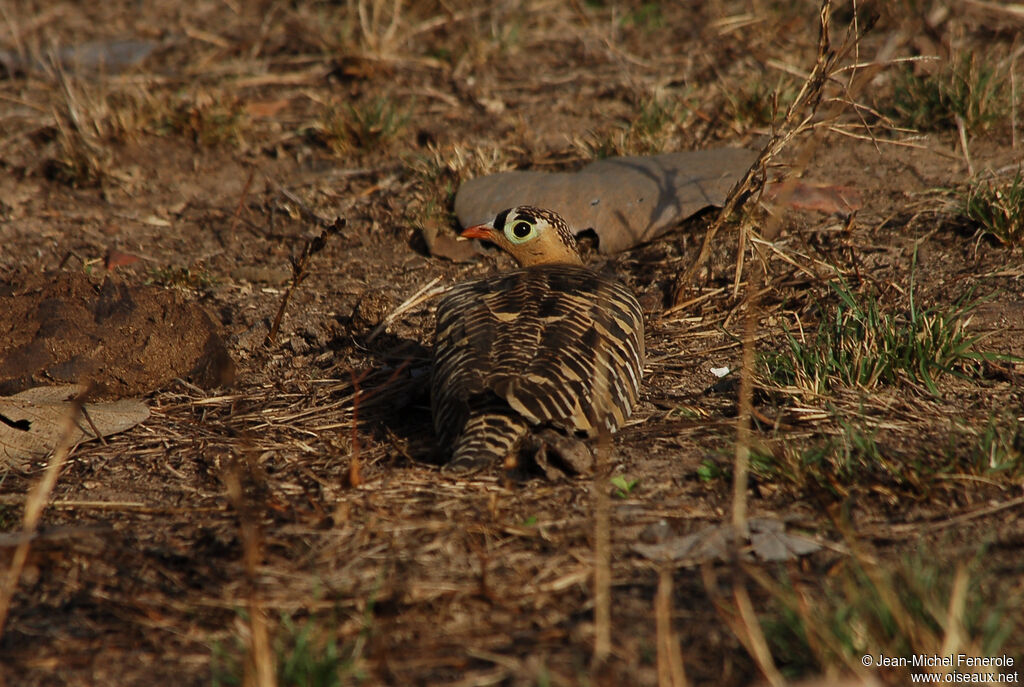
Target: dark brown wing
[554,344]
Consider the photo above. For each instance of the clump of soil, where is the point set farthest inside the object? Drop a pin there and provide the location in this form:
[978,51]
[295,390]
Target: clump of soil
[127,340]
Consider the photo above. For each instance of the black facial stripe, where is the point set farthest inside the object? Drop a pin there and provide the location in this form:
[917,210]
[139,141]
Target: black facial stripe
[499,219]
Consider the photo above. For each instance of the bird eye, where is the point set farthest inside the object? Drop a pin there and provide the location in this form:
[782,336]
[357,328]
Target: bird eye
[520,231]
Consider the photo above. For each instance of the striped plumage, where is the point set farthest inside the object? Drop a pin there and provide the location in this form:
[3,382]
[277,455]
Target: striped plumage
[550,344]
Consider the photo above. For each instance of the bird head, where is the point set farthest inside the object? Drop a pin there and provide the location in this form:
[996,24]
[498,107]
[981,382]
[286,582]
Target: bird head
[532,236]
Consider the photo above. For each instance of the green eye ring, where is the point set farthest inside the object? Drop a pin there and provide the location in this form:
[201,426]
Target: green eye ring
[520,231]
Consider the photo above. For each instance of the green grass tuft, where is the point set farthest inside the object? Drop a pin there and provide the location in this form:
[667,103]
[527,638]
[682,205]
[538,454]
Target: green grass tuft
[208,120]
[997,446]
[759,102]
[914,607]
[306,654]
[970,87]
[998,209]
[654,124]
[362,126]
[860,344]
[846,455]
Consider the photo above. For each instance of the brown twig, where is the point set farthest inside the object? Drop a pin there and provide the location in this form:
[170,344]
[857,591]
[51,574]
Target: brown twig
[300,272]
[799,119]
[811,94]
[241,201]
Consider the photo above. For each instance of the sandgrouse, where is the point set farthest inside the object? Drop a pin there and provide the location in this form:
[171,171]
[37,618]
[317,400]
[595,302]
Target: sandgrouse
[553,345]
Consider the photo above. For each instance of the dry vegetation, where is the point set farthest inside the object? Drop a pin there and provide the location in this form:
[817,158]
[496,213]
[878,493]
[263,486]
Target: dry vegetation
[295,528]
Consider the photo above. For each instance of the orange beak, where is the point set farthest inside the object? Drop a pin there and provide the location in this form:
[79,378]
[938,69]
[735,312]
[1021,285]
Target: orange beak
[479,231]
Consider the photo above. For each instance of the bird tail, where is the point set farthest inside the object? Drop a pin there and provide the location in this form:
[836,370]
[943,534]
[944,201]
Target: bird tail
[487,437]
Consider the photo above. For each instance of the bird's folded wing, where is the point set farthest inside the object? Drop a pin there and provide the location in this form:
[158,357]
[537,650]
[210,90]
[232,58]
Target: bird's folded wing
[560,344]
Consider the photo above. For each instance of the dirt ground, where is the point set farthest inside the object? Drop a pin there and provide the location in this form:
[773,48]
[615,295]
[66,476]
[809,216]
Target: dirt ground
[307,494]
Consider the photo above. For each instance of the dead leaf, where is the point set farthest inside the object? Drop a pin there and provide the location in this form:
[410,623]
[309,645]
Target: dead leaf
[33,421]
[839,200]
[695,547]
[768,542]
[624,200]
[442,243]
[264,109]
[115,259]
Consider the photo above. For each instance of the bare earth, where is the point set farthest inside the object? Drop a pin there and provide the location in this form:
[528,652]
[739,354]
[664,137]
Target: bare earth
[307,491]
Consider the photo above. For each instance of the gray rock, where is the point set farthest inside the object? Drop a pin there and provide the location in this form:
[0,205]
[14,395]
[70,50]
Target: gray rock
[625,200]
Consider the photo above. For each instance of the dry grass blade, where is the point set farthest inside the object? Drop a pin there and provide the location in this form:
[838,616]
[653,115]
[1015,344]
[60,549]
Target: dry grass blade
[755,642]
[602,553]
[422,295]
[955,636]
[915,529]
[1013,10]
[259,668]
[741,619]
[671,672]
[355,477]
[961,127]
[1013,99]
[741,471]
[34,506]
